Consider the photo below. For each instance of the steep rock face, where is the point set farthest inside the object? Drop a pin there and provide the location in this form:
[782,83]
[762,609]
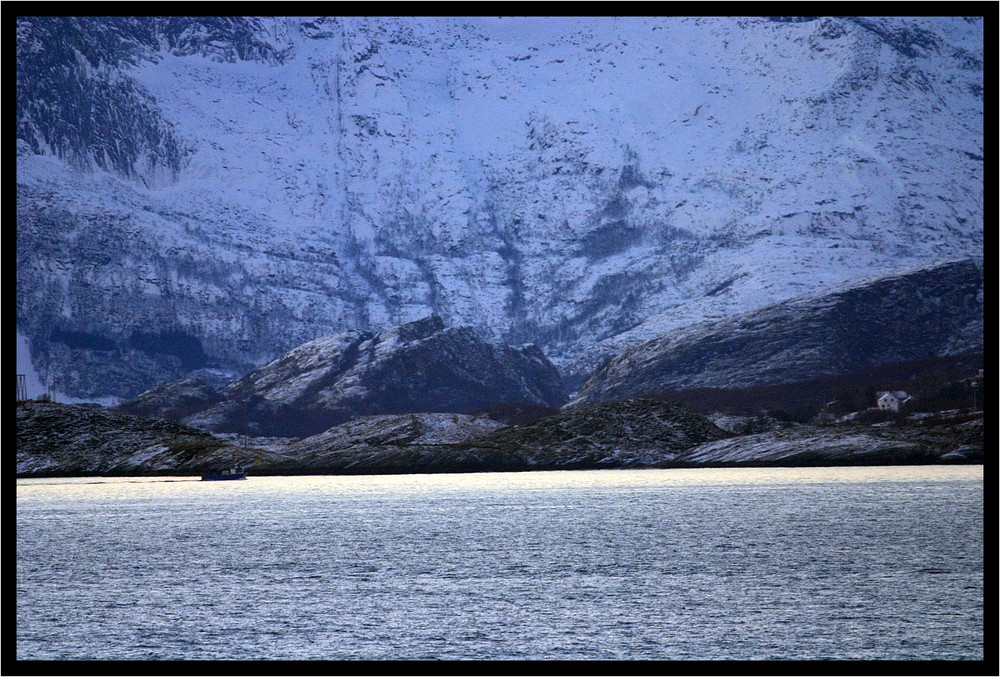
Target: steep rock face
[938,311]
[75,101]
[210,192]
[416,367]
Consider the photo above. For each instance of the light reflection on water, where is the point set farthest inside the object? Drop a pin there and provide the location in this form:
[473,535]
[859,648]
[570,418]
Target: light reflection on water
[873,562]
[556,479]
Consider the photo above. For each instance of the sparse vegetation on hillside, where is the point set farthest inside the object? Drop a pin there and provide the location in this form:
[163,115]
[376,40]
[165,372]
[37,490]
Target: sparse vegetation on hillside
[516,413]
[935,384]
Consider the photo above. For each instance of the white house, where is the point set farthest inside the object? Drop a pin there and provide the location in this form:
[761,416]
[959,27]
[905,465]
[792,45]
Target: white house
[890,400]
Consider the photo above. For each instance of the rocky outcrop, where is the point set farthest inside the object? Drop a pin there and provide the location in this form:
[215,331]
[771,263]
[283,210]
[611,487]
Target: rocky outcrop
[398,444]
[416,367]
[70,440]
[924,313]
[636,433]
[59,440]
[947,441]
[630,433]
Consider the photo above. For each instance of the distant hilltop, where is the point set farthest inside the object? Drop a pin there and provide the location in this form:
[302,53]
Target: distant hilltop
[419,366]
[932,312]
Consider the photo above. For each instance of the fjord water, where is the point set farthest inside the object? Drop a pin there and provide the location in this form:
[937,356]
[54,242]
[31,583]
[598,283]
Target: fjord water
[786,563]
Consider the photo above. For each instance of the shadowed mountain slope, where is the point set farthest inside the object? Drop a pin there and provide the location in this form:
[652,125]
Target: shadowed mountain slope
[929,312]
[416,367]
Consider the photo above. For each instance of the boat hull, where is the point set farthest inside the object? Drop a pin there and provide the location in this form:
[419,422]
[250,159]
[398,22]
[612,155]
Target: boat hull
[216,477]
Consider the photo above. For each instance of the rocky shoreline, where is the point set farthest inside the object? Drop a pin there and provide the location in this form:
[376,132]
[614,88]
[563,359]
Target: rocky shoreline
[60,440]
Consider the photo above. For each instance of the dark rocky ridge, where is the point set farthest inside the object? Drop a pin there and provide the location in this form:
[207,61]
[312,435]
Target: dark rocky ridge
[416,367]
[932,312]
[636,433]
[61,440]
[951,437]
[629,433]
[70,440]
[399,443]
[173,400]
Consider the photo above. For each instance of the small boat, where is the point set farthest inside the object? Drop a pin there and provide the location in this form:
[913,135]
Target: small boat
[234,473]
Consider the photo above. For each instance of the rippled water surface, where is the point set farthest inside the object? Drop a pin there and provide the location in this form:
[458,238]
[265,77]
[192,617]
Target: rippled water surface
[870,563]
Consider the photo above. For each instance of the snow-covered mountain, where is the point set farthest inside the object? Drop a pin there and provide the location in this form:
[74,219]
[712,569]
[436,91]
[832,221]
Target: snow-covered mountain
[200,195]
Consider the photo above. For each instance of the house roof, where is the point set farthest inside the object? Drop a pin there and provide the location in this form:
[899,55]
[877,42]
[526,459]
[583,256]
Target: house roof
[898,394]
